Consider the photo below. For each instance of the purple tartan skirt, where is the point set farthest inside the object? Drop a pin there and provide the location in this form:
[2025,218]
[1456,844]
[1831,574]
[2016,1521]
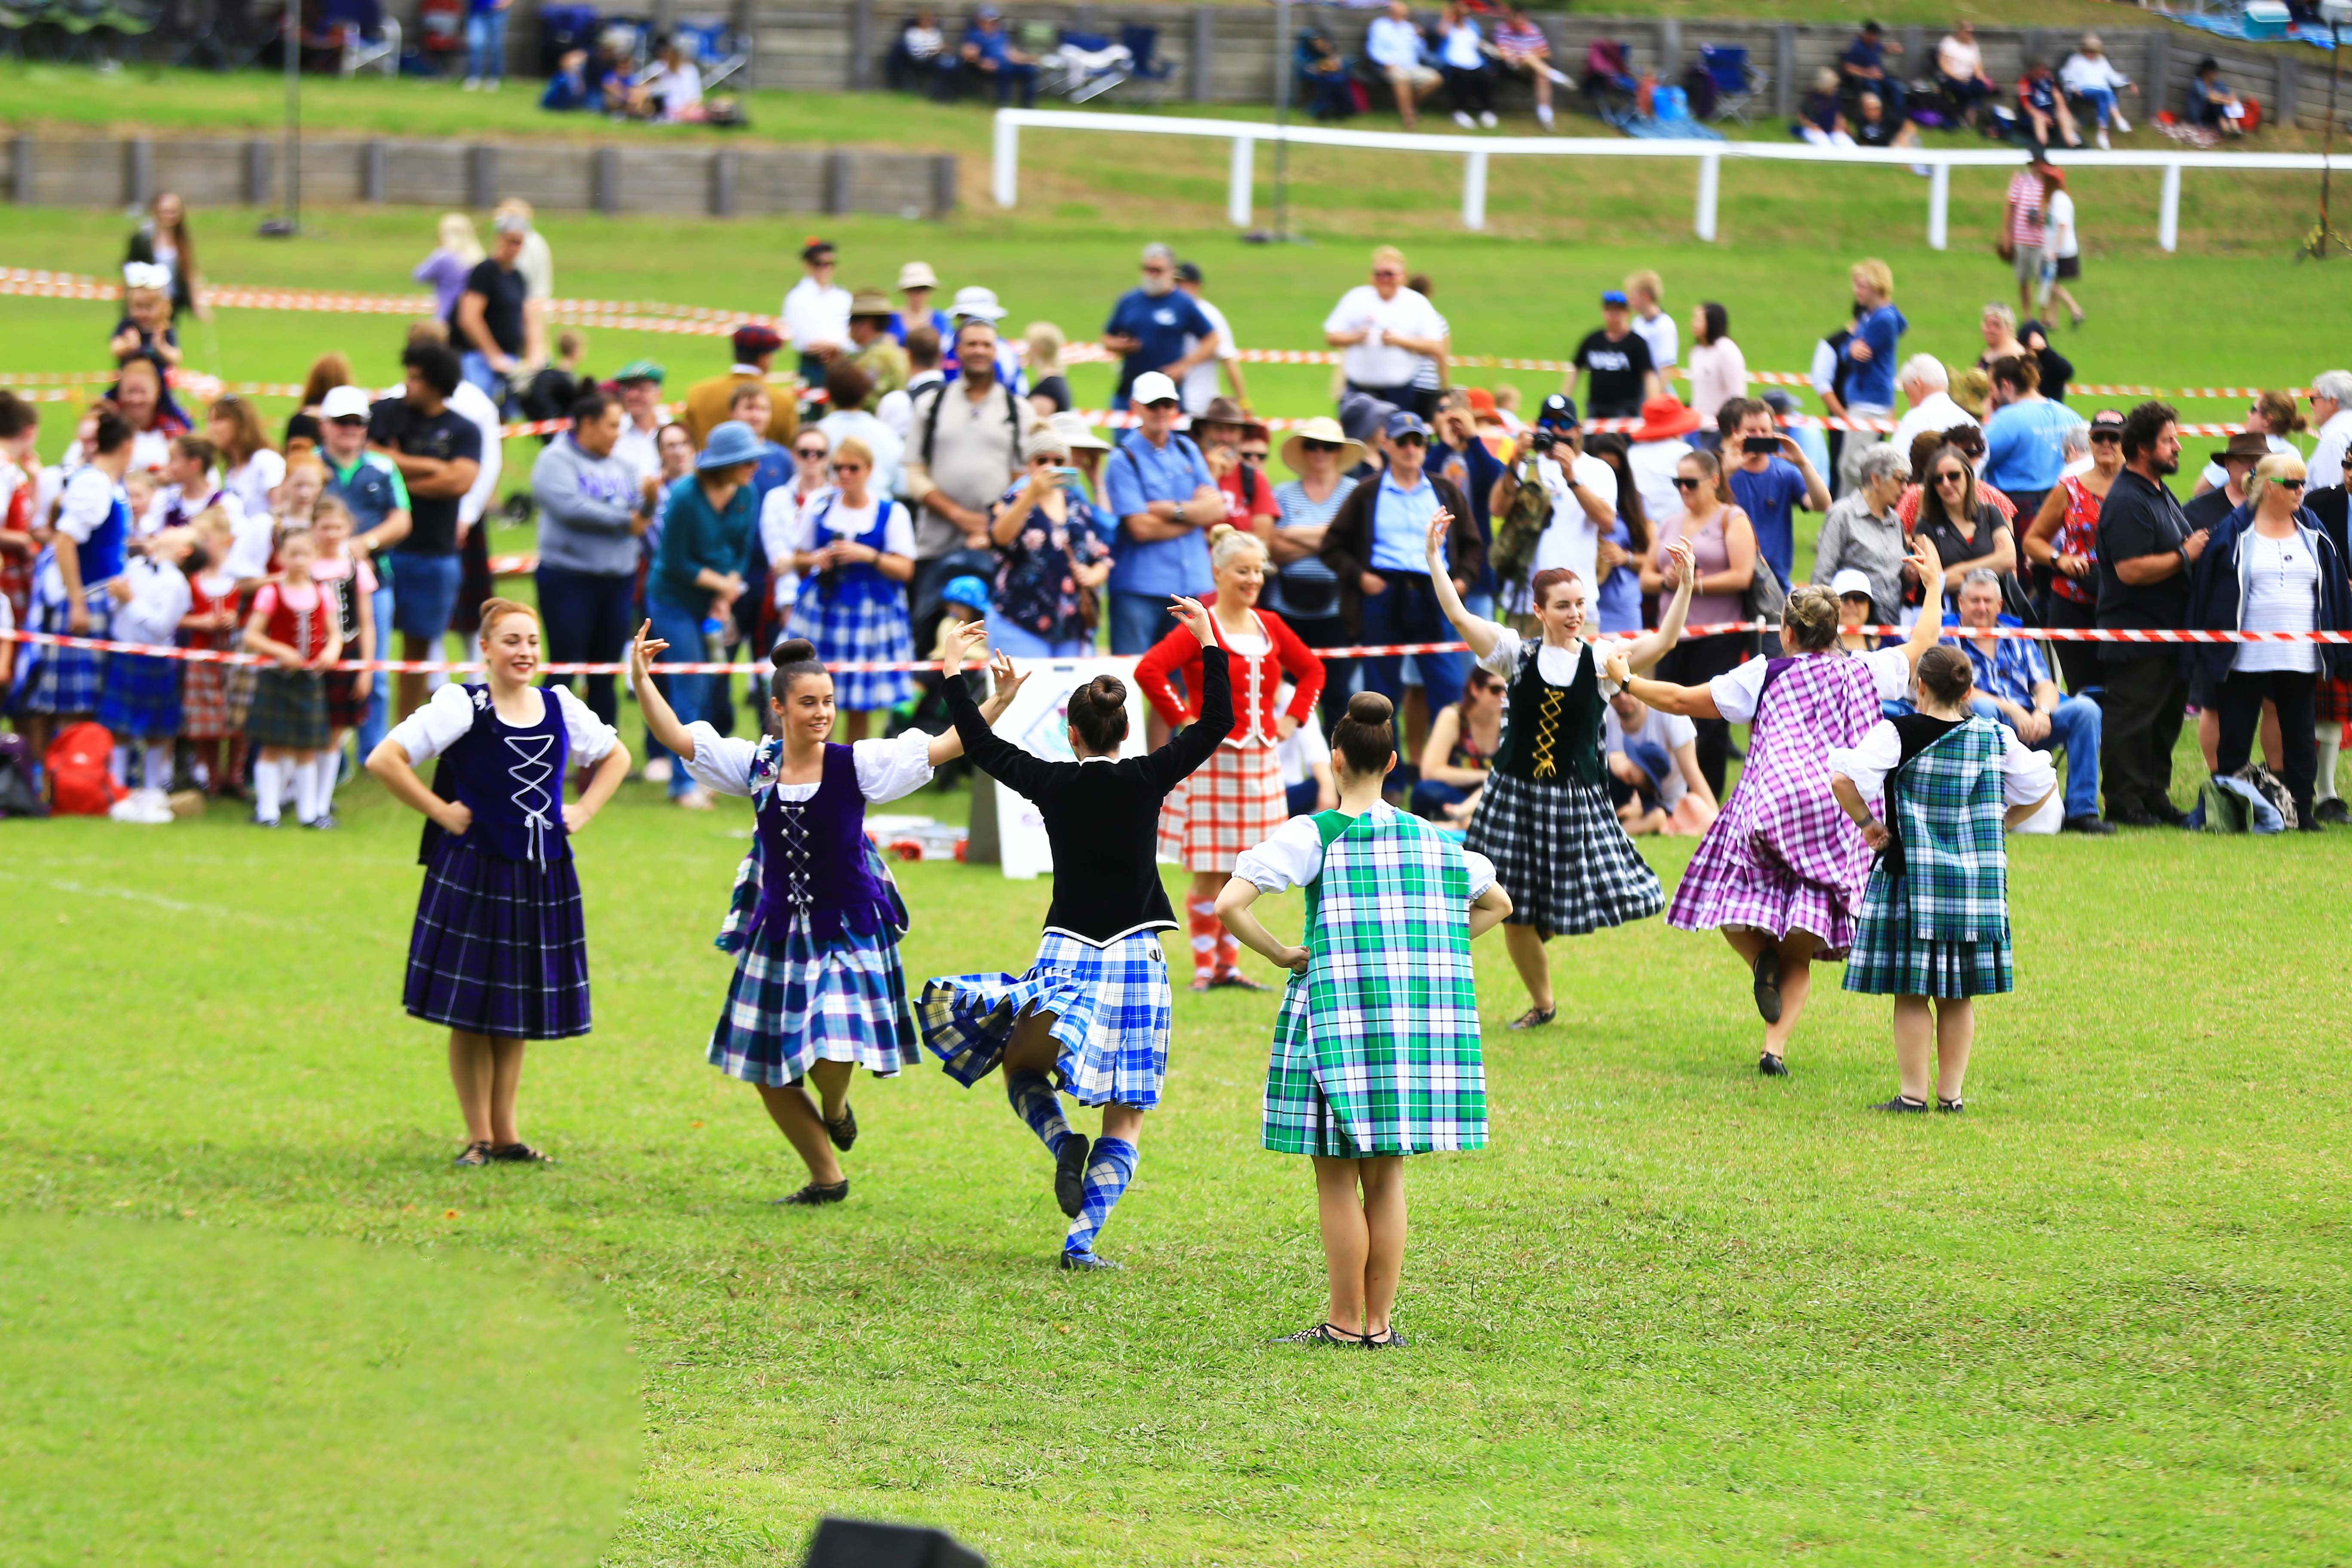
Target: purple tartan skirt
[498,947]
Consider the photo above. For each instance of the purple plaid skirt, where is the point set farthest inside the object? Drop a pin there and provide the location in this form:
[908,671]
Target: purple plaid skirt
[498,947]
[1783,856]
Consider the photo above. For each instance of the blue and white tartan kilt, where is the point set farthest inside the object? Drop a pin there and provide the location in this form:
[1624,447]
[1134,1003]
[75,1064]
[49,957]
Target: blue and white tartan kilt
[1112,1013]
[793,1003]
[1888,960]
[70,679]
[141,696]
[853,629]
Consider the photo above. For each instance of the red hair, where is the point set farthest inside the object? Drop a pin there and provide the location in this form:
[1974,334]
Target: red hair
[1548,579]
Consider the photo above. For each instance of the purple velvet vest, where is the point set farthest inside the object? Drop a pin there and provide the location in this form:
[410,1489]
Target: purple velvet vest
[511,779]
[814,862]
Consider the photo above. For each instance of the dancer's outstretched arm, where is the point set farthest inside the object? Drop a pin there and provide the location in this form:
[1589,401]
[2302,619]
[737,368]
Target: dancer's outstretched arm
[1489,909]
[1476,630]
[1644,652]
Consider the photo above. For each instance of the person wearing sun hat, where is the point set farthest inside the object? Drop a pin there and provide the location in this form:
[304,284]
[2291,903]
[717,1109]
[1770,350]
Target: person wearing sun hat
[1304,592]
[706,401]
[1655,446]
[916,283]
[708,528]
[871,347]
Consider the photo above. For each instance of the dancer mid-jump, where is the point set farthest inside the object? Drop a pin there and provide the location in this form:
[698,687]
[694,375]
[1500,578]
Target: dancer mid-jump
[1094,1010]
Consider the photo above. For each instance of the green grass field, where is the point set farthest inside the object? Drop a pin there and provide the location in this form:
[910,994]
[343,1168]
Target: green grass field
[1675,1314]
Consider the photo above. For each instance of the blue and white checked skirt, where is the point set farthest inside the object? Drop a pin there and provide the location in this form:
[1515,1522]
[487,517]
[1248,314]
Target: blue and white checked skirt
[1111,1016]
[793,1003]
[70,679]
[141,696]
[498,947]
[853,630]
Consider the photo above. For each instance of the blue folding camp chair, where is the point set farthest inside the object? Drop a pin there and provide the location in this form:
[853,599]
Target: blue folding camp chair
[1737,83]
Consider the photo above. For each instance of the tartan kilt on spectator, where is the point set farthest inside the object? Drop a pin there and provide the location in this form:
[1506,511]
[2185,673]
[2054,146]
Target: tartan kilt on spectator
[2334,705]
[794,1002]
[849,629]
[141,696]
[1376,1049]
[498,947]
[204,702]
[1561,854]
[70,679]
[1232,802]
[1940,929]
[347,696]
[1112,1016]
[289,710]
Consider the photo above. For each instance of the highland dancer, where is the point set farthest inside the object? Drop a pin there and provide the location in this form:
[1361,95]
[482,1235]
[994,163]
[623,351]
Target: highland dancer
[1781,871]
[1376,1050]
[1093,1012]
[500,953]
[815,919]
[1544,818]
[1935,917]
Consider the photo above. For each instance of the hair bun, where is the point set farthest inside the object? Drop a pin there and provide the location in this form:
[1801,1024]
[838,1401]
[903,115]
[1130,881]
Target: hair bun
[1218,532]
[1369,708]
[793,650]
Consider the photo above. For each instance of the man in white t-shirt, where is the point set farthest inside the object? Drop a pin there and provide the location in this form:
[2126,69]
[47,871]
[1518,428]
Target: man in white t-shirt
[2331,416]
[1654,770]
[1583,491]
[816,313]
[1198,388]
[1394,45]
[1385,331]
[1926,385]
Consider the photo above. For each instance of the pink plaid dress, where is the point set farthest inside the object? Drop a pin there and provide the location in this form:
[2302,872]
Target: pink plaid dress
[1783,856]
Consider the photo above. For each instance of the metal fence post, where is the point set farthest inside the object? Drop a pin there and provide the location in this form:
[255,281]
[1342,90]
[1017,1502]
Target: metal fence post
[257,173]
[138,171]
[372,172]
[1473,191]
[1006,161]
[1242,175]
[1784,71]
[604,180]
[861,46]
[836,181]
[1710,179]
[1204,48]
[1940,205]
[2289,89]
[482,177]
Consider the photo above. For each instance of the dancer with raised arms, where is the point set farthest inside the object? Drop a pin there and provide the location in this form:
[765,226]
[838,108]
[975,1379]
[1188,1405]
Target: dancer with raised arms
[1092,1015]
[1781,871]
[1544,817]
[815,919]
[1376,1050]
[499,952]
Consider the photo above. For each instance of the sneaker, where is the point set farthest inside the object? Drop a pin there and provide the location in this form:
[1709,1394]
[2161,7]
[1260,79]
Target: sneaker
[1903,1103]
[2091,825]
[259,821]
[1769,1066]
[1465,121]
[2123,126]
[1486,118]
[2101,139]
[1076,1262]
[810,1195]
[657,771]
[471,84]
[2332,812]
[1070,1175]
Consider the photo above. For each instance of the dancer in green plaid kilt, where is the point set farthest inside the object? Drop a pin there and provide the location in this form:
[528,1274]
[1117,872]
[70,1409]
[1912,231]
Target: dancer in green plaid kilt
[1934,928]
[1376,1049]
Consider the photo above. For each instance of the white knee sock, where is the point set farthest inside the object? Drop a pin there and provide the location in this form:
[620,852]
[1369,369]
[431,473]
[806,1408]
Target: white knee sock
[324,768]
[305,791]
[159,765]
[119,765]
[269,788]
[2330,737]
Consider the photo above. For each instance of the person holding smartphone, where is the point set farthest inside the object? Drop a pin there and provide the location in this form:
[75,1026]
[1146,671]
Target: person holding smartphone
[1053,556]
[1770,477]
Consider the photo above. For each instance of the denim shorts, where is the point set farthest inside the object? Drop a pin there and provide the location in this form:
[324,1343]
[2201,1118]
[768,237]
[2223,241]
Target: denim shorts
[424,593]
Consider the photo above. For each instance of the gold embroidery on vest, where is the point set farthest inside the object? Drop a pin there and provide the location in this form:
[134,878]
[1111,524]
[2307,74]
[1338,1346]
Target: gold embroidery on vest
[1548,732]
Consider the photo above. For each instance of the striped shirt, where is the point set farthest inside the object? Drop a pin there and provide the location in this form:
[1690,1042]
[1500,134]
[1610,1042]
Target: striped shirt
[2025,210]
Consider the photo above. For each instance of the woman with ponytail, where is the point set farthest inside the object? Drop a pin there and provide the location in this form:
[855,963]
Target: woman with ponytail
[814,920]
[1092,1015]
[1237,800]
[1376,1052]
[1545,818]
[1780,872]
[500,954]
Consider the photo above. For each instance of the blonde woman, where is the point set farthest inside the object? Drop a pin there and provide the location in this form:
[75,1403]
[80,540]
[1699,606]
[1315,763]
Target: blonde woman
[1049,390]
[250,469]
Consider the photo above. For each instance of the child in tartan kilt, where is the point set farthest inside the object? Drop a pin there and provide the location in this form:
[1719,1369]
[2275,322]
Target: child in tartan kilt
[1934,927]
[140,706]
[1094,1010]
[348,579]
[814,920]
[1376,1050]
[216,698]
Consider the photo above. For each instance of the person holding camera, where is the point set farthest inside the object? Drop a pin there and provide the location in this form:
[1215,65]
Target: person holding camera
[1583,491]
[1770,477]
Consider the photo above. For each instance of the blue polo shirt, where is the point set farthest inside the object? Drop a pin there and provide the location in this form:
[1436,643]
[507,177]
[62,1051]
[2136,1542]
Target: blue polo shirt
[1401,525]
[1138,474]
[1769,500]
[1870,382]
[2025,446]
[1161,323]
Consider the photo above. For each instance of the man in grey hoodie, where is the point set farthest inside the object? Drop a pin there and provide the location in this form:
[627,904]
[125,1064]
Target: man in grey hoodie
[593,506]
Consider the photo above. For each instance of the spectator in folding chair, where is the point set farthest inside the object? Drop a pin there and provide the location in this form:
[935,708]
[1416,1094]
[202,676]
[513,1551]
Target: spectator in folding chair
[1324,77]
[988,54]
[1462,61]
[1863,69]
[1607,74]
[915,55]
[1394,47]
[2090,76]
[1521,46]
[1961,73]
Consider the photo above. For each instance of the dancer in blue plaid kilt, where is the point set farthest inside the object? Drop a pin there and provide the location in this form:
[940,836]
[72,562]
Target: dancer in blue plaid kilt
[499,954]
[72,579]
[815,920]
[1092,1015]
[856,554]
[1545,818]
[1376,1050]
[1934,927]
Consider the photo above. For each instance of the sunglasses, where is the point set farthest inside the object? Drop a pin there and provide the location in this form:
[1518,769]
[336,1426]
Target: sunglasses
[1952,477]
[2288,484]
[1408,439]
[1250,457]
[1385,272]
[1683,484]
[809,454]
[349,421]
[848,468]
[2106,438]
[1319,446]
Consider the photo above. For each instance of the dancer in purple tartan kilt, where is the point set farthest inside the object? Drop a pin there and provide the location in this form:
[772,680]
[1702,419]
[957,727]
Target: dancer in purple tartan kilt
[1780,872]
[1092,1012]
[499,954]
[815,922]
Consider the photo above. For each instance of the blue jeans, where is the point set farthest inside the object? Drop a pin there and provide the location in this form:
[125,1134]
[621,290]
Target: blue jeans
[486,45]
[1429,799]
[378,718]
[1003,636]
[689,695]
[425,594]
[1408,612]
[2102,100]
[476,369]
[1137,621]
[2074,726]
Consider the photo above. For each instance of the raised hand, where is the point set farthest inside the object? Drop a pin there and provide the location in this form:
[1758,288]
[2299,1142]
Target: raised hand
[964,644]
[1439,521]
[1195,617]
[1924,557]
[1619,668]
[1007,682]
[644,649]
[1683,556]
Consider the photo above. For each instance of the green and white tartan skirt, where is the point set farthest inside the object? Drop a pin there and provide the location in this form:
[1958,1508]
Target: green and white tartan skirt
[1888,959]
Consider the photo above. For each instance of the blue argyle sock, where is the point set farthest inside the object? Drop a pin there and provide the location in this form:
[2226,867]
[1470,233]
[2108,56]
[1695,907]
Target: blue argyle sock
[1034,1102]
[1110,1165]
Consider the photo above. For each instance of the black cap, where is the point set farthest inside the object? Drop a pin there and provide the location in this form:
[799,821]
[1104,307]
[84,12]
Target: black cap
[1558,413]
[1188,272]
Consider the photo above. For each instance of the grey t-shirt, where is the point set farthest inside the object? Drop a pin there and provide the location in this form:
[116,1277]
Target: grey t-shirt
[972,455]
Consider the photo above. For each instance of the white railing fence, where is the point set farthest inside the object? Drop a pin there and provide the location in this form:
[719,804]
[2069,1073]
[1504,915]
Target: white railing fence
[1477,151]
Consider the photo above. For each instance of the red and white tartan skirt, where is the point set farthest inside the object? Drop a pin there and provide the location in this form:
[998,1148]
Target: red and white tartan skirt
[2335,702]
[1233,803]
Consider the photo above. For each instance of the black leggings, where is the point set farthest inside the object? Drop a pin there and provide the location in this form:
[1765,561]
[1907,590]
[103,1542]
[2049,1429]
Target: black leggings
[2078,662]
[2241,708]
[1472,91]
[1694,662]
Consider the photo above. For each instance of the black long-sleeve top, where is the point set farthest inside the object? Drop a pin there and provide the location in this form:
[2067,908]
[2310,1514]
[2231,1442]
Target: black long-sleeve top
[1102,815]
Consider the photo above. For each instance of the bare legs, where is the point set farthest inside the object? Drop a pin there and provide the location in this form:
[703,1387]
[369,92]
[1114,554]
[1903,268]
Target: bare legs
[1362,1208]
[851,725]
[799,1119]
[1946,1034]
[1796,951]
[1527,950]
[487,1071]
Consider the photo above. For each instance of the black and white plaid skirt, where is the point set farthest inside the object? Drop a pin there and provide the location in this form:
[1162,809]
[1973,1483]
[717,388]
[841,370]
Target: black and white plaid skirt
[498,947]
[1561,855]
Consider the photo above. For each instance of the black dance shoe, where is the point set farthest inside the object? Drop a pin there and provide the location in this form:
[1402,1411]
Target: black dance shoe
[472,1155]
[843,1132]
[1951,1107]
[1767,970]
[1905,1103]
[520,1154]
[1533,1018]
[1389,1338]
[816,1193]
[1076,1262]
[1771,1066]
[1070,1175]
[1322,1334]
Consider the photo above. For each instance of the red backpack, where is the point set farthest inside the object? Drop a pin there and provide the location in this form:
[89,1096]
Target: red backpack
[79,781]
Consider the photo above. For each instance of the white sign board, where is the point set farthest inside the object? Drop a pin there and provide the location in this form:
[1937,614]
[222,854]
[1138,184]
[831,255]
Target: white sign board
[1038,723]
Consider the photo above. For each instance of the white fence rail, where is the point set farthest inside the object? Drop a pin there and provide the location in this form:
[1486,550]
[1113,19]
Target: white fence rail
[1477,151]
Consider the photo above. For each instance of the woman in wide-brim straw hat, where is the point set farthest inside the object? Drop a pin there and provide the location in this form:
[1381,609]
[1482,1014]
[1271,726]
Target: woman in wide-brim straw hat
[1303,591]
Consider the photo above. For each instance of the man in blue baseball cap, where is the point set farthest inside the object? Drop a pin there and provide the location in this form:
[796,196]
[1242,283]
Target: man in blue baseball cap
[1619,362]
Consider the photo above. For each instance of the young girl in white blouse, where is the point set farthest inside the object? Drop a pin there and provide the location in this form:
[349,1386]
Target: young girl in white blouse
[500,954]
[815,919]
